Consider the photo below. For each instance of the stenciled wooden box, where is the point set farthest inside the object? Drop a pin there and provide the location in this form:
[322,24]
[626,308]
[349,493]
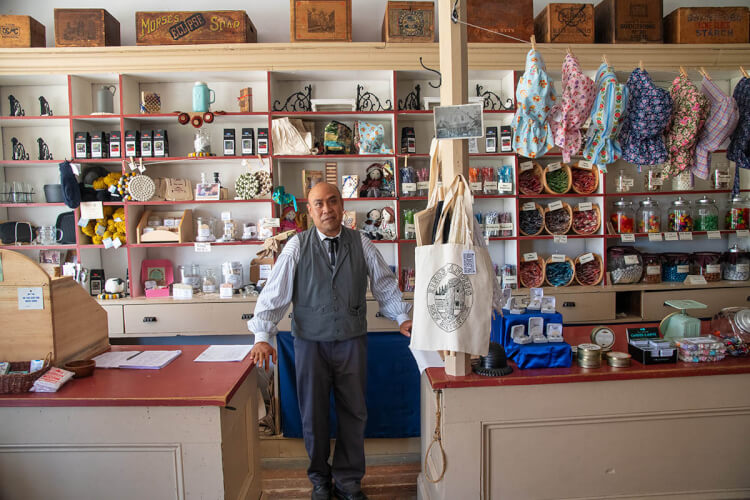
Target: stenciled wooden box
[186,27]
[320,20]
[565,23]
[86,28]
[21,31]
[628,21]
[510,17]
[707,25]
[409,22]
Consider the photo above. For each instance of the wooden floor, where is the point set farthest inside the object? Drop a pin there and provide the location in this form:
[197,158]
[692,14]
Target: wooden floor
[393,482]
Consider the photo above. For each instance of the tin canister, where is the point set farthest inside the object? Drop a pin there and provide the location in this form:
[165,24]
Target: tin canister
[589,356]
[618,359]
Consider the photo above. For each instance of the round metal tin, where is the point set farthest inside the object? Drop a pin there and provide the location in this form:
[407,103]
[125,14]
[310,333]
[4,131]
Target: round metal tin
[618,359]
[603,336]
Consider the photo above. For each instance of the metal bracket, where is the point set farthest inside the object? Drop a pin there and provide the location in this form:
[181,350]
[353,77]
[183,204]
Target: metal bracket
[492,101]
[440,75]
[411,101]
[299,101]
[367,101]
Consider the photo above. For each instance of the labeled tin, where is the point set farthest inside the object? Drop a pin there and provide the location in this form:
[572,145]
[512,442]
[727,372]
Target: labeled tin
[618,359]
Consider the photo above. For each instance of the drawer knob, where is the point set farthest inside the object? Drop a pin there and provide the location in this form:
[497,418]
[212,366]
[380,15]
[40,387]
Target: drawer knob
[378,314]
[290,315]
[149,319]
[247,316]
[569,304]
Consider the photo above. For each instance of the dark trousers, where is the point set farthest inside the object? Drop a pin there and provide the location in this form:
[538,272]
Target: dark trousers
[341,366]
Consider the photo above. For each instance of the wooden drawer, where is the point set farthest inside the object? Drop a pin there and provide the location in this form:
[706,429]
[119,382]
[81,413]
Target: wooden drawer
[213,318]
[115,323]
[586,307]
[653,308]
[376,321]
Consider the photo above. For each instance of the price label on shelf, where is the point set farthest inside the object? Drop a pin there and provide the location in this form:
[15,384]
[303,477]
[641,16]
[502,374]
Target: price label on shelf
[475,186]
[505,186]
[527,165]
[116,243]
[423,185]
[554,166]
[585,164]
[686,236]
[492,227]
[409,188]
[672,236]
[584,207]
[555,205]
[714,235]
[627,238]
[92,210]
[108,242]
[531,256]
[490,186]
[695,279]
[631,260]
[561,238]
[271,222]
[202,246]
[409,228]
[506,226]
[585,258]
[557,257]
[683,268]
[528,206]
[654,237]
[743,233]
[510,280]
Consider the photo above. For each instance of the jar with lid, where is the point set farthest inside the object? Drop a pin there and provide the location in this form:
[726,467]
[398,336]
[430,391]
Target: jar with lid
[192,277]
[720,178]
[204,228]
[684,181]
[708,265]
[210,281]
[622,217]
[736,264]
[232,273]
[624,264]
[706,215]
[737,214]
[649,216]
[675,267]
[653,178]
[652,267]
[679,217]
[623,182]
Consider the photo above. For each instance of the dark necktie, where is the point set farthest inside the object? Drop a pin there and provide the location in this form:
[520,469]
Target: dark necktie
[332,244]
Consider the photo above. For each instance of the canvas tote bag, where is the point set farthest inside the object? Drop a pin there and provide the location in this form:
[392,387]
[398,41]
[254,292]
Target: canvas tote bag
[424,220]
[453,309]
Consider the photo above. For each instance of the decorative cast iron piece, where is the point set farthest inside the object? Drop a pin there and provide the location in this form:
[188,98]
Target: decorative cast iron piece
[45,109]
[411,101]
[15,107]
[19,152]
[492,101]
[299,101]
[367,101]
[44,153]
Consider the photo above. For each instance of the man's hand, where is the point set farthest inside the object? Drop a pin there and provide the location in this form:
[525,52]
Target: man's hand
[263,353]
[405,328]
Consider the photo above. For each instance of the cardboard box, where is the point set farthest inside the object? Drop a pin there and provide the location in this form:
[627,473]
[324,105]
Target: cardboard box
[189,27]
[21,31]
[511,17]
[648,356]
[628,21]
[260,269]
[707,25]
[86,28]
[565,23]
[320,20]
[161,271]
[409,22]
[166,233]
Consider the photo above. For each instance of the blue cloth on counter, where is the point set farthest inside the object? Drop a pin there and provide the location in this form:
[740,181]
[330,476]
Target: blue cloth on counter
[392,388]
[550,355]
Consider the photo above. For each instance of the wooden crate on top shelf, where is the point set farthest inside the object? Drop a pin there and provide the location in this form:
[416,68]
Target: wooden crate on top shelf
[628,21]
[21,31]
[86,28]
[320,20]
[707,25]
[565,23]
[47,315]
[510,17]
[409,22]
[181,232]
[187,27]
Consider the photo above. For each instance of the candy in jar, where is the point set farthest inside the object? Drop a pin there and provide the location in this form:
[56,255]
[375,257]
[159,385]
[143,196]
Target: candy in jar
[622,218]
[736,264]
[737,214]
[679,217]
[649,216]
[706,217]
[675,267]
[708,265]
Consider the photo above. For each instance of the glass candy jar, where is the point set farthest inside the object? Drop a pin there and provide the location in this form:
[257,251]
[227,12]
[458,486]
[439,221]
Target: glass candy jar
[737,214]
[708,265]
[210,281]
[648,216]
[736,263]
[684,181]
[204,228]
[624,264]
[623,182]
[679,217]
[675,267]
[720,178]
[705,215]
[653,178]
[622,217]
[652,267]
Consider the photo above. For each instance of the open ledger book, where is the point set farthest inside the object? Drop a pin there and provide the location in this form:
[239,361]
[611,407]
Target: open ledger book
[143,360]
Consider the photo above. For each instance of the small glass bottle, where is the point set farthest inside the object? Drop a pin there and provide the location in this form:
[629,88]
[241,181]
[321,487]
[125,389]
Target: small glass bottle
[720,178]
[622,217]
[623,182]
[653,179]
[706,215]
[649,216]
[210,281]
[737,214]
[204,228]
[679,217]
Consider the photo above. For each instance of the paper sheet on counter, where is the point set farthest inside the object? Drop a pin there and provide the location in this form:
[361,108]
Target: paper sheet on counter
[224,353]
[114,359]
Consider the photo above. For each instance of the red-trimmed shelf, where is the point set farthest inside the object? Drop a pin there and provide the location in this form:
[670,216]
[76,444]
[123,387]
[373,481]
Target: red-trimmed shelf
[192,243]
[331,157]
[20,163]
[157,159]
[570,236]
[27,205]
[571,194]
[493,196]
[38,247]
[695,233]
[414,155]
[91,245]
[196,202]
[325,114]
[412,198]
[487,155]
[669,193]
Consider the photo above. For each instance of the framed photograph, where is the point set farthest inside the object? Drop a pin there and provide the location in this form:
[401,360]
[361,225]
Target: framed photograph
[464,121]
[207,191]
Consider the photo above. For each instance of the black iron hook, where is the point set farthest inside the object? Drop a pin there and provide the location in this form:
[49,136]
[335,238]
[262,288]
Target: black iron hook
[454,12]
[434,71]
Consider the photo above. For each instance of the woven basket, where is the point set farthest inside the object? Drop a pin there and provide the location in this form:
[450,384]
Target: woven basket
[597,259]
[537,172]
[566,168]
[568,261]
[22,383]
[598,213]
[541,228]
[535,284]
[565,207]
[594,170]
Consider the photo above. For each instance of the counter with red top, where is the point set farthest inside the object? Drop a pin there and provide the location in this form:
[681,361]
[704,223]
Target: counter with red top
[648,431]
[188,430]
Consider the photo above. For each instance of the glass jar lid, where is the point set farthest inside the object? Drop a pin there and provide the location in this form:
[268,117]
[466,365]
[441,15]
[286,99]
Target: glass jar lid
[622,202]
[736,199]
[681,202]
[705,201]
[649,202]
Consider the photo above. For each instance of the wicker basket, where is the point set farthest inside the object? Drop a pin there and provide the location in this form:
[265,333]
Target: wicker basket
[568,261]
[537,283]
[537,172]
[598,213]
[541,227]
[594,170]
[18,383]
[566,169]
[565,207]
[598,260]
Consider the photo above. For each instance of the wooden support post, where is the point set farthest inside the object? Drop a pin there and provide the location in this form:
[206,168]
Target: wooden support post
[454,154]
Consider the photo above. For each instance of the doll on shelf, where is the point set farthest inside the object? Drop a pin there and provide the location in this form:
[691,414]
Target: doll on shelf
[373,182]
[289,220]
[388,186]
[372,225]
[387,227]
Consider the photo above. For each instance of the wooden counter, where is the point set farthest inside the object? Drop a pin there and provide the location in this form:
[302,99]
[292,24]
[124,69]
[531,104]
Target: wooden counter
[655,431]
[188,430]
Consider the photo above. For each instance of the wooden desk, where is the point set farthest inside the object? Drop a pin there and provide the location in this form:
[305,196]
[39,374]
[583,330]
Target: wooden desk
[188,430]
[651,431]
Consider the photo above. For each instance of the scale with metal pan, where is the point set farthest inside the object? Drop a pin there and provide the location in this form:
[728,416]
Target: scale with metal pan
[678,324]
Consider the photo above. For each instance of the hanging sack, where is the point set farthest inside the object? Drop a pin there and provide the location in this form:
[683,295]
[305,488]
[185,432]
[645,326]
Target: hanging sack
[424,220]
[290,137]
[337,138]
[369,138]
[454,282]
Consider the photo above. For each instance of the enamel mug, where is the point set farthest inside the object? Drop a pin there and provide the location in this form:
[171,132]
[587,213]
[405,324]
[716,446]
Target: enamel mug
[104,101]
[203,97]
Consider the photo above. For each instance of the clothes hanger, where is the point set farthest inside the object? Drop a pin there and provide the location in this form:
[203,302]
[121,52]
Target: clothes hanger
[640,65]
[744,73]
[533,43]
[605,61]
[683,72]
[703,73]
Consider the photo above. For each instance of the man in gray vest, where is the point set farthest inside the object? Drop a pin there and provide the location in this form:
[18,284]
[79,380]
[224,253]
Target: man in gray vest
[323,272]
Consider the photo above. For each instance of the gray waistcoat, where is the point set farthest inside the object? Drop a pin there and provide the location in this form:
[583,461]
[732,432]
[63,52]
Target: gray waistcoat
[329,304]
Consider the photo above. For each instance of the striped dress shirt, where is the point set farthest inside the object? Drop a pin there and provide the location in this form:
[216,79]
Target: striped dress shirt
[277,294]
[719,126]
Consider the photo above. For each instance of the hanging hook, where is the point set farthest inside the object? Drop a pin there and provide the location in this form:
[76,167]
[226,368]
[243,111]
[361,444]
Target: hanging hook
[454,12]
[440,75]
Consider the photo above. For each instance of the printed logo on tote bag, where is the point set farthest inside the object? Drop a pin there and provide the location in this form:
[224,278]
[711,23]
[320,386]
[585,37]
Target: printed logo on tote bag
[449,297]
